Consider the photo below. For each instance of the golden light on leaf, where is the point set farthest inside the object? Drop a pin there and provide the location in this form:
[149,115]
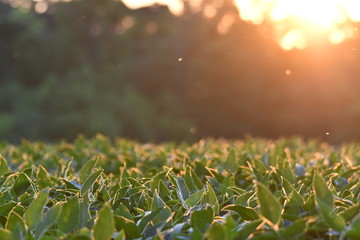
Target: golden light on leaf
[296,22]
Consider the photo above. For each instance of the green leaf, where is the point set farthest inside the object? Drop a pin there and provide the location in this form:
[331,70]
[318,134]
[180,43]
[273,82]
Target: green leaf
[286,185]
[350,212]
[155,230]
[155,181]
[159,203]
[216,231]
[244,198]
[324,201]
[196,180]
[246,213]
[14,219]
[200,168]
[43,176]
[86,169]
[194,198]
[66,168]
[230,162]
[202,218]
[148,218]
[237,190]
[7,207]
[42,173]
[330,219]
[183,189]
[297,229]
[21,184]
[163,190]
[355,223]
[104,226]
[288,173]
[310,203]
[68,218]
[270,207]
[89,182]
[354,230]
[189,180]
[230,227]
[33,213]
[124,212]
[196,234]
[270,235]
[259,166]
[247,228]
[322,192]
[6,234]
[134,182]
[121,235]
[350,172]
[49,219]
[84,213]
[210,198]
[131,230]
[4,168]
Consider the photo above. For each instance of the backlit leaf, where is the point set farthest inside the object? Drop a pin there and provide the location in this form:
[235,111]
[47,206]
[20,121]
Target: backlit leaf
[49,219]
[202,218]
[4,168]
[230,162]
[33,214]
[86,169]
[89,182]
[210,198]
[246,213]
[270,207]
[21,184]
[104,226]
[68,218]
[194,198]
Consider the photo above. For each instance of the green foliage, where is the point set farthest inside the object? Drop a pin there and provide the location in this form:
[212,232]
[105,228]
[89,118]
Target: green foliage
[104,226]
[81,82]
[33,214]
[127,190]
[270,207]
[68,218]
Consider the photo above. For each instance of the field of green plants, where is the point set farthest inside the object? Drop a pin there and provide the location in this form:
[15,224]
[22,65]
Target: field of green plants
[213,189]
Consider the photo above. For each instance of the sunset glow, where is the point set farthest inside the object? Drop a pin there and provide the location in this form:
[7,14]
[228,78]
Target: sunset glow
[174,5]
[296,23]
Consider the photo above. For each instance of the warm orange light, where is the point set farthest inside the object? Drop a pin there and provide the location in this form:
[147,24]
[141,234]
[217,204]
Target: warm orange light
[176,6]
[297,22]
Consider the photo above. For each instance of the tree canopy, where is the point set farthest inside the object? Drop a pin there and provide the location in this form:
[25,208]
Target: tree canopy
[90,66]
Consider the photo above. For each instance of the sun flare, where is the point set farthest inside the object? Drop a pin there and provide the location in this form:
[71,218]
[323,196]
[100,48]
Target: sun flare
[296,22]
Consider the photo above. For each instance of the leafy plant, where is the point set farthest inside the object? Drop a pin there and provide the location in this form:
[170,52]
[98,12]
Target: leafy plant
[99,189]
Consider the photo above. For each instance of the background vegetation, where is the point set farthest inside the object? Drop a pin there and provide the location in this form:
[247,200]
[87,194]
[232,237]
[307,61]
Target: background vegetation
[89,66]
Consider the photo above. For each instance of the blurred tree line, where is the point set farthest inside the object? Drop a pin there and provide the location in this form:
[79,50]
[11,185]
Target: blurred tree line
[89,66]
